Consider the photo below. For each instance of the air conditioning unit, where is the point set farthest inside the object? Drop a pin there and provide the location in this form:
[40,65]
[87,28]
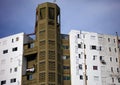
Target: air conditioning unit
[103,61]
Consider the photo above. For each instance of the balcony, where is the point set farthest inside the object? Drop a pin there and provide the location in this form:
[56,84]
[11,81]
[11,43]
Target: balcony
[30,51]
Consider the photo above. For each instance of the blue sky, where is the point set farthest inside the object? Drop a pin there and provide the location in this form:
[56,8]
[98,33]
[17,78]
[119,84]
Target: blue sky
[101,16]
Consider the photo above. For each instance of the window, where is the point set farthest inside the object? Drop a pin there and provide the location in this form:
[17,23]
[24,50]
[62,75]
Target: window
[109,49]
[12,40]
[15,49]
[111,69]
[15,69]
[66,67]
[115,50]
[118,80]
[100,48]
[110,58]
[112,79]
[66,57]
[79,45]
[108,39]
[3,82]
[17,38]
[10,70]
[116,60]
[81,77]
[86,77]
[95,68]
[42,13]
[51,13]
[94,56]
[114,40]
[64,36]
[79,55]
[13,80]
[31,45]
[85,66]
[5,51]
[78,36]
[100,57]
[29,77]
[80,66]
[118,70]
[93,47]
[65,47]
[66,77]
[84,46]
[85,56]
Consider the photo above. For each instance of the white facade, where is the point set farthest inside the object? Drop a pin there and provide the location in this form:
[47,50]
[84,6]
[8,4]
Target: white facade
[95,56]
[11,54]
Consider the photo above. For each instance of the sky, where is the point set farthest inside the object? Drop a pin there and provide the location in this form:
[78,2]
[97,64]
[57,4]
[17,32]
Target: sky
[101,16]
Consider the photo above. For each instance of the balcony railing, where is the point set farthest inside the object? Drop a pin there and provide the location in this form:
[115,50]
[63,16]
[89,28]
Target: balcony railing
[30,51]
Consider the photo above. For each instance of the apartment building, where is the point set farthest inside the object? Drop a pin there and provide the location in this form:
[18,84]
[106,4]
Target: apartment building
[94,58]
[11,59]
[43,54]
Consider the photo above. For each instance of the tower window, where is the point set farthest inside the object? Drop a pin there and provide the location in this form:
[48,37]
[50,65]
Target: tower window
[51,13]
[42,13]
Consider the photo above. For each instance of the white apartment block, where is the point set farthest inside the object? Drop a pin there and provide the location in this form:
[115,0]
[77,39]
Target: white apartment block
[11,59]
[94,58]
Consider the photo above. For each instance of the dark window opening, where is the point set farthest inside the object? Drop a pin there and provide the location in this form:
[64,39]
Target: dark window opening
[80,66]
[100,48]
[15,49]
[112,79]
[51,13]
[109,49]
[110,58]
[118,70]
[79,55]
[66,77]
[118,80]
[3,82]
[81,77]
[111,69]
[66,67]
[108,39]
[78,36]
[93,47]
[79,45]
[116,60]
[100,57]
[42,13]
[13,80]
[5,51]
[29,77]
[95,68]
